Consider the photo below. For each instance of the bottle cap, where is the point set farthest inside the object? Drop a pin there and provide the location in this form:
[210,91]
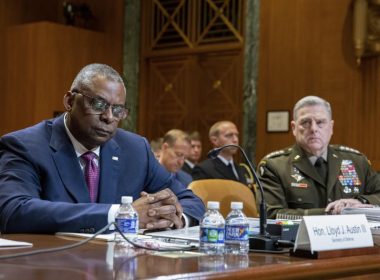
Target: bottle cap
[126,199]
[236,205]
[213,204]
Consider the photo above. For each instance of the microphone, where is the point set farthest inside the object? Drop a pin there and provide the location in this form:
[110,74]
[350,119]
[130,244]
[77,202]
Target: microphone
[262,242]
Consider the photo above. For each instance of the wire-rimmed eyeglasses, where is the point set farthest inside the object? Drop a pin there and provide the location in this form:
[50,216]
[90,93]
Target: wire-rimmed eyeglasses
[98,106]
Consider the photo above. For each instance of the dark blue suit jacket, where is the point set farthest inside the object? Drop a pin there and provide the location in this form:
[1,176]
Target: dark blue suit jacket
[42,187]
[183,177]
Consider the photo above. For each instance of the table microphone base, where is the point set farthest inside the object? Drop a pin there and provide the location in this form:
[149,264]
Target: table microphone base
[263,243]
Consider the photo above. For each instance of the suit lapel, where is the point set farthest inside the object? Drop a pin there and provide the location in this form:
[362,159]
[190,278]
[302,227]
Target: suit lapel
[223,170]
[67,163]
[109,170]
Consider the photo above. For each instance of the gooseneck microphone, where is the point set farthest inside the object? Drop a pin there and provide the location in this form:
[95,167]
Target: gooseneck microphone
[262,242]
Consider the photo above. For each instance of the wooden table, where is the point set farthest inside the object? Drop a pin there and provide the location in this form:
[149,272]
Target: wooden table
[96,260]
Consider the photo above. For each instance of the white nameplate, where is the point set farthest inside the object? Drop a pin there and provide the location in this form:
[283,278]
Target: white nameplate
[324,233]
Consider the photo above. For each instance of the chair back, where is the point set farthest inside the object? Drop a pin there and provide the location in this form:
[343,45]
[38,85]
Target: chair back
[225,191]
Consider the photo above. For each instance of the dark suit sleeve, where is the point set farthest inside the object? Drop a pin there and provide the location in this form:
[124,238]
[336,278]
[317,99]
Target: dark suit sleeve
[159,178]
[21,206]
[34,198]
[199,173]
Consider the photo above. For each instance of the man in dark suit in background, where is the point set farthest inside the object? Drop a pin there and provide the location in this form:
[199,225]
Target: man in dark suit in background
[222,167]
[69,173]
[195,152]
[174,149]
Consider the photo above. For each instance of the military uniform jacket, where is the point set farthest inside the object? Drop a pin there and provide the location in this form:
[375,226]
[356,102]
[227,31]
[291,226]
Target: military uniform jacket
[292,185]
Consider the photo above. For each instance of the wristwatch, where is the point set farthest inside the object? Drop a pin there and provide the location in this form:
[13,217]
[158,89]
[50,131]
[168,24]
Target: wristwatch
[363,200]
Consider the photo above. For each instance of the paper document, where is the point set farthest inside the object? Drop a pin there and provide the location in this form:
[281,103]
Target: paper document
[105,237]
[143,240]
[185,234]
[372,214]
[6,244]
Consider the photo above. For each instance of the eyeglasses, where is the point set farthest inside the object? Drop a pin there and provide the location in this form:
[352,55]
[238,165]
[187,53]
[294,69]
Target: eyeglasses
[98,106]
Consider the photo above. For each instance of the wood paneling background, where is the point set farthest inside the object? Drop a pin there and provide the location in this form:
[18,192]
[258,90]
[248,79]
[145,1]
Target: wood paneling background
[306,49]
[191,66]
[40,55]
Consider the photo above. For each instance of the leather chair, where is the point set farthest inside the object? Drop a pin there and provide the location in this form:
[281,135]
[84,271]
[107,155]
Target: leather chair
[225,191]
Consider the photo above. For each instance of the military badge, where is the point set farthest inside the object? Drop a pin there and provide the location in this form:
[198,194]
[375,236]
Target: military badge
[297,175]
[347,189]
[299,185]
[348,176]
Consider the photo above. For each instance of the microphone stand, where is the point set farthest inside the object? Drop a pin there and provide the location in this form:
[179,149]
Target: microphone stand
[263,241]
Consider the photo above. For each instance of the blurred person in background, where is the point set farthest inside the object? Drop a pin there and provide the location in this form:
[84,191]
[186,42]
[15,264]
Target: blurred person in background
[195,152]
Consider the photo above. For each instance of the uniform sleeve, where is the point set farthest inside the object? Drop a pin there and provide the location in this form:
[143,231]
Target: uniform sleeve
[275,196]
[371,186]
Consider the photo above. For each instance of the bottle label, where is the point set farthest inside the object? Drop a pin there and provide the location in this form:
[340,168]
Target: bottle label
[237,232]
[127,225]
[212,235]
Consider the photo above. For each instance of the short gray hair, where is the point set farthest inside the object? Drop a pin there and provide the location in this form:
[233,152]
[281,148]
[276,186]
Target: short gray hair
[175,134]
[86,75]
[311,101]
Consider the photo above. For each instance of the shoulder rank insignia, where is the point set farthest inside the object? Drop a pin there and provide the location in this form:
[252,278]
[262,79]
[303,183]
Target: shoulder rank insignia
[278,153]
[348,149]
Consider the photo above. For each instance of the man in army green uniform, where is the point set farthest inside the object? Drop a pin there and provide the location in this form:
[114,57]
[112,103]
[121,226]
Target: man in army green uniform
[313,177]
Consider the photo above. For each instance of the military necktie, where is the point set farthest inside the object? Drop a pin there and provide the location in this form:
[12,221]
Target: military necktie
[91,174]
[321,167]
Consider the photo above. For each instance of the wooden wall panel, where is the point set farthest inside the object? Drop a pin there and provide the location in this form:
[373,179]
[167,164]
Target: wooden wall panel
[39,59]
[306,48]
[191,92]
[43,62]
[191,66]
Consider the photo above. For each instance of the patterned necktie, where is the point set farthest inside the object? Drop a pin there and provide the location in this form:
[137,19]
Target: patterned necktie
[91,174]
[321,167]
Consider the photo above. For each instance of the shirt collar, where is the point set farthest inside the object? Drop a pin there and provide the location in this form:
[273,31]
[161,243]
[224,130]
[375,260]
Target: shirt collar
[226,162]
[313,159]
[79,148]
[189,163]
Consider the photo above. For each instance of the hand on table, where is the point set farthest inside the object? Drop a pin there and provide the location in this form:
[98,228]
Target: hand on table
[159,210]
[337,206]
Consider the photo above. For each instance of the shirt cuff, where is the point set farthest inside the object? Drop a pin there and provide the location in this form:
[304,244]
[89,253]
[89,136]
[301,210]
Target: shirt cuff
[112,214]
[187,220]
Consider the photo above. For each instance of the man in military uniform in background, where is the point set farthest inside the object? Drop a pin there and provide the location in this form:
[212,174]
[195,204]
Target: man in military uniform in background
[313,177]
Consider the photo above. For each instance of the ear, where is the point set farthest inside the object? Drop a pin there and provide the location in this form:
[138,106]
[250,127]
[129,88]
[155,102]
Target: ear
[68,100]
[293,125]
[164,147]
[214,140]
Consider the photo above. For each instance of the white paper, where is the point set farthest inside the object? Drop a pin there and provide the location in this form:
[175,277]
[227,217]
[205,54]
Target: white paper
[6,243]
[105,237]
[372,214]
[324,233]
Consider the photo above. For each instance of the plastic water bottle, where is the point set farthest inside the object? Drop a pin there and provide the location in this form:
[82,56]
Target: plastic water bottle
[127,220]
[211,233]
[236,239]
